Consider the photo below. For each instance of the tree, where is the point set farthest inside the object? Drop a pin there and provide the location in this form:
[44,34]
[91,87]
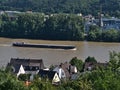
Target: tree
[90,59]
[63,6]
[114,62]
[30,25]
[24,77]
[111,36]
[80,84]
[8,81]
[94,33]
[38,84]
[64,27]
[77,62]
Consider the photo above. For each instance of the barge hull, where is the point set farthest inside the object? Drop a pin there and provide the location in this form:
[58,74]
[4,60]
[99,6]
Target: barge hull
[67,47]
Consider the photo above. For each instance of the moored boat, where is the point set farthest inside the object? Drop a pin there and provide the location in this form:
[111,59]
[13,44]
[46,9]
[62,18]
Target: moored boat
[52,46]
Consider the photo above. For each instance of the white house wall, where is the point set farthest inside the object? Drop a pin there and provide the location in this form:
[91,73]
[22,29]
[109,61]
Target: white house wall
[56,78]
[21,71]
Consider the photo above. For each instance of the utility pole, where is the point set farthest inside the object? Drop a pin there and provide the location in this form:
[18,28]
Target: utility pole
[100,21]
[100,17]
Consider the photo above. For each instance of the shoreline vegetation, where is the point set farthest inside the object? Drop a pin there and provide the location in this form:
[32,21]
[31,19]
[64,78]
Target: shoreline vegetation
[56,27]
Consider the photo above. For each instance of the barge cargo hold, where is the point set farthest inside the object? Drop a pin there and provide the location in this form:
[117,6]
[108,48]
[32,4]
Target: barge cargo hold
[52,46]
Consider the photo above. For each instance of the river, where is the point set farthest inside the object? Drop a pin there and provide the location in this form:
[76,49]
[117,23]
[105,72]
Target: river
[100,50]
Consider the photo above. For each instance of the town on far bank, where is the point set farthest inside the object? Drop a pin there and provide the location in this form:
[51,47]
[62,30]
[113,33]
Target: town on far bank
[105,22]
[59,26]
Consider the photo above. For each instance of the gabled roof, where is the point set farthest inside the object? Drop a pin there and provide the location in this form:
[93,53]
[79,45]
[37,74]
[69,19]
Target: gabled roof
[102,64]
[27,62]
[60,72]
[46,74]
[31,68]
[93,65]
[65,67]
[16,68]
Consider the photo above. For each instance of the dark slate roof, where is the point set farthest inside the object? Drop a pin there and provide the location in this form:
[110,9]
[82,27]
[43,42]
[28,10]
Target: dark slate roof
[31,68]
[16,68]
[46,74]
[93,65]
[27,62]
[102,64]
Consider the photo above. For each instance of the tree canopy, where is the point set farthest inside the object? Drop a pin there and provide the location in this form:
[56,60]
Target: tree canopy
[39,26]
[64,6]
[90,59]
[53,27]
[77,62]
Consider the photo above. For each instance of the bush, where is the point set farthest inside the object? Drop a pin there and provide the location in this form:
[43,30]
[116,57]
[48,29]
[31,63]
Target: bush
[90,59]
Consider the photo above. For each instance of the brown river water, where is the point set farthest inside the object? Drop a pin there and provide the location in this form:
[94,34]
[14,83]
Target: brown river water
[100,50]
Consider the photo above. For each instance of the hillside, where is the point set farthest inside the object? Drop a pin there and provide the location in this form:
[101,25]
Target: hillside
[109,7]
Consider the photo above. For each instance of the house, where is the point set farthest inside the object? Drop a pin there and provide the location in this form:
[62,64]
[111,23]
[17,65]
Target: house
[109,23]
[65,70]
[51,75]
[31,69]
[89,20]
[1,12]
[102,64]
[25,66]
[88,66]
[103,23]
[72,69]
[27,62]
[60,72]
[18,69]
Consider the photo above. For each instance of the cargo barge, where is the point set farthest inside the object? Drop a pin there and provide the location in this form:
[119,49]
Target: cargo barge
[52,46]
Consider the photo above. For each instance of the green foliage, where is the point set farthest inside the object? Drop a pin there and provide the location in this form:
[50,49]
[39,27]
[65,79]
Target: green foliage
[69,26]
[76,85]
[41,85]
[63,6]
[114,62]
[10,82]
[24,77]
[102,79]
[51,67]
[111,36]
[30,25]
[105,78]
[39,26]
[77,62]
[94,33]
[90,59]
[53,27]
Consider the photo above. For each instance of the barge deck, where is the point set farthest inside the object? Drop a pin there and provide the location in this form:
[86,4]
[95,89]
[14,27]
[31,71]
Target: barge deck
[52,46]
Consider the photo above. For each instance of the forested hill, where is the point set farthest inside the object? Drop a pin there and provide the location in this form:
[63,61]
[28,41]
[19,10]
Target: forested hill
[109,7]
